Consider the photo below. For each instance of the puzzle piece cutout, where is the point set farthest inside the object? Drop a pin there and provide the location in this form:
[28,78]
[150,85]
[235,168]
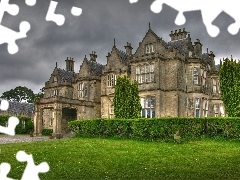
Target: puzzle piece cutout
[31,171]
[4,170]
[12,121]
[210,10]
[59,19]
[8,35]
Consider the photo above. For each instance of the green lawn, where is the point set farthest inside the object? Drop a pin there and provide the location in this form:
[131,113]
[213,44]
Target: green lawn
[93,158]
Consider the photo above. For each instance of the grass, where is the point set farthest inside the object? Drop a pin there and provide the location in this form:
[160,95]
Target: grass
[94,158]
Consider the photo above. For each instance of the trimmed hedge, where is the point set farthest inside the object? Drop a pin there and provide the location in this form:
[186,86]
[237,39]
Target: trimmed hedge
[158,129]
[20,128]
[47,132]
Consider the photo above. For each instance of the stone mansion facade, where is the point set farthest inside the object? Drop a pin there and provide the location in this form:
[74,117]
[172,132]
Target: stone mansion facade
[175,79]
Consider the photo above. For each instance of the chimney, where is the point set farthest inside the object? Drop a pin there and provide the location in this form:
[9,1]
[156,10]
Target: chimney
[69,64]
[93,56]
[198,48]
[128,48]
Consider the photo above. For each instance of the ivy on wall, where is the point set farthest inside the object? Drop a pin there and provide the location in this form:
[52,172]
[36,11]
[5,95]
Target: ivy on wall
[230,86]
[126,99]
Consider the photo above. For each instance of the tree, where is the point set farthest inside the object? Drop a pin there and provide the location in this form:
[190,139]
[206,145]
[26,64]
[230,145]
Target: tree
[230,86]
[18,94]
[37,96]
[126,99]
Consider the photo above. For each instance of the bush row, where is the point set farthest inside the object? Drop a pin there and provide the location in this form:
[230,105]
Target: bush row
[47,132]
[158,129]
[25,125]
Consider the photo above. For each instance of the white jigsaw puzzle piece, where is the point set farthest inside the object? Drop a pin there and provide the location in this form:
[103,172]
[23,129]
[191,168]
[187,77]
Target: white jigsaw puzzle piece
[12,123]
[209,11]
[4,105]
[31,171]
[8,35]
[4,170]
[59,19]
[76,11]
[30,2]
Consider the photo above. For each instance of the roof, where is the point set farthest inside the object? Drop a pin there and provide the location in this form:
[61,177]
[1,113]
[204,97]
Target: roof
[66,75]
[178,44]
[16,108]
[123,56]
[95,67]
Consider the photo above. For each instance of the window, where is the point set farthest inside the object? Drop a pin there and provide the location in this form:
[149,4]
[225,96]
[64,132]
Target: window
[51,119]
[111,111]
[197,107]
[54,78]
[23,124]
[195,76]
[111,80]
[222,110]
[148,107]
[145,73]
[205,107]
[214,86]
[54,92]
[82,90]
[150,48]
[204,76]
[215,109]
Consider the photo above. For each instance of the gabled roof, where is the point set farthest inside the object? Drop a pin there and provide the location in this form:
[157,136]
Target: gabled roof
[66,75]
[18,107]
[178,44]
[95,68]
[123,56]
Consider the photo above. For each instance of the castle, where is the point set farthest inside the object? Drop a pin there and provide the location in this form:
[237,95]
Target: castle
[175,79]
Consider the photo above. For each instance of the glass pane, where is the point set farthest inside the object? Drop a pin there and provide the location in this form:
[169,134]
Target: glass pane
[147,70]
[142,69]
[147,102]
[195,71]
[143,78]
[152,77]
[197,112]
[138,70]
[153,113]
[142,102]
[148,113]
[151,67]
[143,113]
[153,102]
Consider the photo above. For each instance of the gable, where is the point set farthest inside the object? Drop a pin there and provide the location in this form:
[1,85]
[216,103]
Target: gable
[151,43]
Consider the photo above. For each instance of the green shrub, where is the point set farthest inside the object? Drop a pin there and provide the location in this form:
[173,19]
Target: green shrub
[47,132]
[158,129]
[25,125]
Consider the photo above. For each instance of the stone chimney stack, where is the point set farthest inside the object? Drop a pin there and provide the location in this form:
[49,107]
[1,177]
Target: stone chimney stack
[69,64]
[177,35]
[198,48]
[212,56]
[93,56]
[128,48]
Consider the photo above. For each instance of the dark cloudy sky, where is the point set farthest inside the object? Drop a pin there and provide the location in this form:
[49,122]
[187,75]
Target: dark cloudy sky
[101,21]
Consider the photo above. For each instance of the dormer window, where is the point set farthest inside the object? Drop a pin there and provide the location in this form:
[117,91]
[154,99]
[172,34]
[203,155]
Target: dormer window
[111,80]
[54,78]
[150,48]
[54,92]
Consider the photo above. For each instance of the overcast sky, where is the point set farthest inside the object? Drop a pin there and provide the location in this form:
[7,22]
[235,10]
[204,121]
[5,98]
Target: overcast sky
[101,21]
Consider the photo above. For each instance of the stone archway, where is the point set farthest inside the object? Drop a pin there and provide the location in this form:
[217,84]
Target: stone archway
[68,114]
